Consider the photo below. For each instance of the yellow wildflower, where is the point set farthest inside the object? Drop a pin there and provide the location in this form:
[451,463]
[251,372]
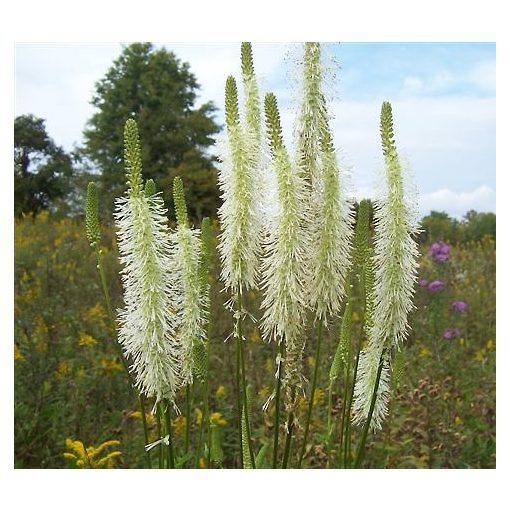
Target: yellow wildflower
[462,341]
[86,340]
[96,315]
[179,425]
[480,355]
[302,403]
[90,456]
[198,415]
[149,418]
[111,365]
[424,352]
[17,354]
[63,369]
[221,391]
[458,421]
[490,345]
[318,396]
[41,329]
[217,419]
[201,463]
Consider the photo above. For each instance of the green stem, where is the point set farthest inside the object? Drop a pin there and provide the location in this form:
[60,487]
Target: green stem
[170,461]
[277,404]
[188,418]
[243,377]
[312,392]
[145,429]
[288,440]
[239,400]
[160,435]
[329,424]
[205,416]
[361,448]
[347,448]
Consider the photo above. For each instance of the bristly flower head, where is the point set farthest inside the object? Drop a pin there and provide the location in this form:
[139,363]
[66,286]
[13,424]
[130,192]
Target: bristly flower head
[396,266]
[241,229]
[330,224]
[396,251]
[330,231]
[146,324]
[188,283]
[284,266]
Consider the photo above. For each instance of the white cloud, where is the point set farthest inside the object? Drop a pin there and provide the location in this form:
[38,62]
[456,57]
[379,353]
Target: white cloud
[481,199]
[449,142]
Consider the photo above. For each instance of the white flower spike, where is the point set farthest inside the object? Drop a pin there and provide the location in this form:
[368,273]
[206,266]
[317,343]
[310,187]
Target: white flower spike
[147,323]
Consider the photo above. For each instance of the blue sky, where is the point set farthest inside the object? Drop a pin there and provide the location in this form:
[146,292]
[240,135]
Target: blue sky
[443,97]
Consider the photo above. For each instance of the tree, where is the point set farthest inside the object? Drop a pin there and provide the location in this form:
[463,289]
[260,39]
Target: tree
[439,226]
[159,91]
[477,225]
[42,169]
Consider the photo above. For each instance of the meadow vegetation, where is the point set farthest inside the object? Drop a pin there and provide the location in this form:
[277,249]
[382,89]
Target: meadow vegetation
[70,385]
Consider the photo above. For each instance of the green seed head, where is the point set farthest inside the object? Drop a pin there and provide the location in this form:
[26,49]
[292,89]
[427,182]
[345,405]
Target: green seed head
[362,234]
[92,216]
[231,103]
[273,124]
[387,137]
[199,360]
[132,157]
[247,60]
[216,450]
[181,212]
[150,188]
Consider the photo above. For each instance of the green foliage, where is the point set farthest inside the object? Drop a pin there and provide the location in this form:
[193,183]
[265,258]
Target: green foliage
[42,170]
[158,90]
[443,413]
[474,226]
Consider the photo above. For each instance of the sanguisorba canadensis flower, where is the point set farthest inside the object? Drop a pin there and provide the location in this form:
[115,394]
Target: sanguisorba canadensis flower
[192,306]
[330,225]
[284,268]
[395,263]
[240,219]
[147,322]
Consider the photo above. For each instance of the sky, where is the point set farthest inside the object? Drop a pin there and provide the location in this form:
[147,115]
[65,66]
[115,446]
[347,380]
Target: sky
[443,97]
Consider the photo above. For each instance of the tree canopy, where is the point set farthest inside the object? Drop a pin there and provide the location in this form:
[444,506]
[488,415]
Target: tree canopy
[159,91]
[42,170]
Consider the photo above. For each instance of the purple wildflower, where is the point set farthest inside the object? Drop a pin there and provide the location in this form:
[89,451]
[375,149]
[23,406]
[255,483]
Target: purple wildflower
[436,286]
[423,283]
[450,333]
[459,306]
[439,251]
